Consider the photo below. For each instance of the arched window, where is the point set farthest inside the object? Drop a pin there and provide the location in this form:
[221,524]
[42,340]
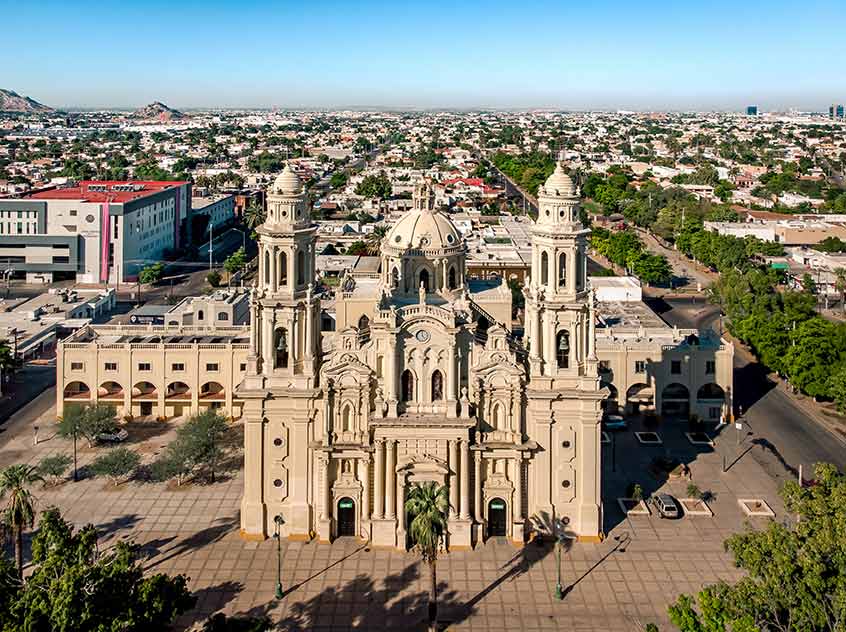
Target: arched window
[424,279]
[379,362]
[562,349]
[407,386]
[580,273]
[200,315]
[496,416]
[280,348]
[562,269]
[363,323]
[300,267]
[222,316]
[544,271]
[394,278]
[437,386]
[283,268]
[346,419]
[266,267]
[451,278]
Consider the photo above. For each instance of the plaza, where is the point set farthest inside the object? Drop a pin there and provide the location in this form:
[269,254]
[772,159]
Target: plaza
[622,583]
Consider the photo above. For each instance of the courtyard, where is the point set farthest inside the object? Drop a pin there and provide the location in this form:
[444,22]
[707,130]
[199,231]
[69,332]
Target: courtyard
[623,583]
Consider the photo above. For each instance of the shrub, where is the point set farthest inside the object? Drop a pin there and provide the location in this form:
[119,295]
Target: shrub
[213,278]
[221,623]
[693,491]
[53,467]
[117,464]
[635,492]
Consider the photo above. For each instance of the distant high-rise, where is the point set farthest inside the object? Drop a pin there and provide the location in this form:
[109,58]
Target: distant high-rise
[835,111]
[751,110]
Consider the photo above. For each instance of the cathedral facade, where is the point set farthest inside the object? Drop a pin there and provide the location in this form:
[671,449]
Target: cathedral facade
[422,381]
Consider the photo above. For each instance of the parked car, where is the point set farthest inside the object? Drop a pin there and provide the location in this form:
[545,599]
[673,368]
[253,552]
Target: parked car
[615,422]
[115,435]
[666,506]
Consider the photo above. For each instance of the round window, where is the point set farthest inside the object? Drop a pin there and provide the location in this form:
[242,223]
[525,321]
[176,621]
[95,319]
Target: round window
[565,484]
[547,212]
[398,238]
[284,213]
[89,218]
[277,482]
[561,213]
[450,238]
[278,442]
[565,444]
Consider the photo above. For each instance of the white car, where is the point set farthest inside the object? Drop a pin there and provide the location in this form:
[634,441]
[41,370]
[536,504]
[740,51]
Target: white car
[116,435]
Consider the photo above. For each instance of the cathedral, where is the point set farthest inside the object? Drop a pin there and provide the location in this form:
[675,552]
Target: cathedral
[422,380]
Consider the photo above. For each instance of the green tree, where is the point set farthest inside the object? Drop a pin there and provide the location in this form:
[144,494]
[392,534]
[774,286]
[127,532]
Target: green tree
[795,575]
[840,285]
[213,278]
[236,261]
[53,467]
[197,446]
[427,506]
[77,587]
[814,350]
[374,240]
[151,273]
[89,421]
[375,186]
[254,216]
[222,623]
[117,464]
[19,512]
[338,180]
[837,387]
[356,248]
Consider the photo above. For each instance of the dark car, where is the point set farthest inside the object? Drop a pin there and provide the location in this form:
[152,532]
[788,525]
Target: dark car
[615,422]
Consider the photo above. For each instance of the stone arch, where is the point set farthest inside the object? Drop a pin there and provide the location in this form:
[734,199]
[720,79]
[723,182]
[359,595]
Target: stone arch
[423,278]
[110,390]
[437,385]
[212,391]
[178,390]
[675,400]
[145,390]
[562,349]
[283,268]
[407,383]
[280,348]
[562,269]
[77,390]
[711,392]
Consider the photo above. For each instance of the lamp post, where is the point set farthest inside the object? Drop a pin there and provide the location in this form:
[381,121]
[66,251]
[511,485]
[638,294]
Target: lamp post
[277,520]
[562,538]
[75,475]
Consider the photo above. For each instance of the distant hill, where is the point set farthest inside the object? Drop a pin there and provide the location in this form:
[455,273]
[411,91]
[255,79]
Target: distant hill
[158,110]
[13,102]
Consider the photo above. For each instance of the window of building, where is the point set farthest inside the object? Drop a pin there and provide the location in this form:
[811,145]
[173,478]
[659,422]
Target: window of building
[73,213]
[281,347]
[714,412]
[144,366]
[640,366]
[437,386]
[243,366]
[675,367]
[77,366]
[710,367]
[223,316]
[212,367]
[562,348]
[177,366]
[111,366]
[200,315]
[407,386]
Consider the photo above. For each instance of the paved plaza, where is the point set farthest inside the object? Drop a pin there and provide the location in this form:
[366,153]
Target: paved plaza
[620,584]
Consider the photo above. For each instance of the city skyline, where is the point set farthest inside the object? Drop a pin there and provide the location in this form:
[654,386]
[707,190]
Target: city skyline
[477,56]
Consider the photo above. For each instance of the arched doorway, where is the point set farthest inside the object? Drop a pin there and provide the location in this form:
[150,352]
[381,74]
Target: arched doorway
[675,401]
[496,517]
[346,517]
[424,279]
[407,386]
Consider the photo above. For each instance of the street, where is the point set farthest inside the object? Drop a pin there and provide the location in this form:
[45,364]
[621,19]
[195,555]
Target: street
[783,434]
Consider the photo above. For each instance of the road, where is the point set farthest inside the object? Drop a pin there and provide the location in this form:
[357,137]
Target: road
[784,435]
[684,270]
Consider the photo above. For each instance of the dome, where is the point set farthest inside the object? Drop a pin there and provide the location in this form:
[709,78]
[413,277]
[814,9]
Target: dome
[287,182]
[559,184]
[424,229]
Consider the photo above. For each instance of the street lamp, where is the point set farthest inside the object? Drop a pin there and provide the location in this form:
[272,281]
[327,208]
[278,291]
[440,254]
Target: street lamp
[277,520]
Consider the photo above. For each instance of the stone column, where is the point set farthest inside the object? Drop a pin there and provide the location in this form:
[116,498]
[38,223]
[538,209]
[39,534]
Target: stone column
[453,478]
[477,495]
[325,508]
[390,485]
[364,473]
[379,481]
[518,489]
[465,480]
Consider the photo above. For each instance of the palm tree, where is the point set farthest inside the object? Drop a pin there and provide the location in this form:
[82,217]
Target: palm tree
[254,216]
[840,285]
[427,505]
[7,362]
[20,509]
[374,240]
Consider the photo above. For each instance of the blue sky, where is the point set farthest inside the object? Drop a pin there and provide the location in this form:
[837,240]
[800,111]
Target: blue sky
[574,55]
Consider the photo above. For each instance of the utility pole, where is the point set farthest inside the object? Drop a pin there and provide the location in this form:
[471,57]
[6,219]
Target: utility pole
[211,244]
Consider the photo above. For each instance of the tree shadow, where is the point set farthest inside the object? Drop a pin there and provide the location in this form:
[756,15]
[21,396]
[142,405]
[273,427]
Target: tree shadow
[769,447]
[295,587]
[756,383]
[362,605]
[106,529]
[209,600]
[197,540]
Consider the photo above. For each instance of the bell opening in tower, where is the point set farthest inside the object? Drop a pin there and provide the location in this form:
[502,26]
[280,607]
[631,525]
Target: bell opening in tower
[281,348]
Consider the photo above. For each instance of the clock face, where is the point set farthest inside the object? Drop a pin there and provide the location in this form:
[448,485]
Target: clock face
[422,335]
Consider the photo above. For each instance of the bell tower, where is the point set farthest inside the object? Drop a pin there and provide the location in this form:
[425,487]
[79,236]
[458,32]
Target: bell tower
[558,307]
[563,396]
[280,387]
